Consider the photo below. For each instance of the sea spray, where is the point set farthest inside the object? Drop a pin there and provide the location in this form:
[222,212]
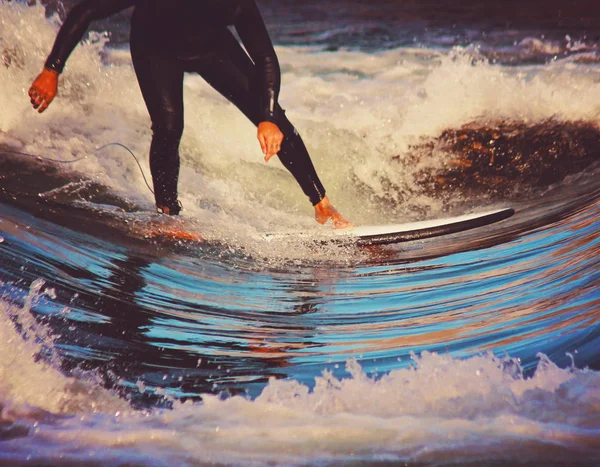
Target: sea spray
[30,373]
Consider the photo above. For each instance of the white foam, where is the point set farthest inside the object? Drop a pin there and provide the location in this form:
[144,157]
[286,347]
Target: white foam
[440,407]
[30,386]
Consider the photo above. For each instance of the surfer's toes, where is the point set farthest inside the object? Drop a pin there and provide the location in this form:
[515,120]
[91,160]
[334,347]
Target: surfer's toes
[339,222]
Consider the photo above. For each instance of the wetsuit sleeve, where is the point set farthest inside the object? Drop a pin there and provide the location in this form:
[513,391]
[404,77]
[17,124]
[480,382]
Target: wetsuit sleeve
[75,26]
[253,32]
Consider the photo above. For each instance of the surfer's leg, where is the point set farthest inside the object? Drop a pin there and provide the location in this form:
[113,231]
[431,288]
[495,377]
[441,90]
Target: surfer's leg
[233,74]
[161,83]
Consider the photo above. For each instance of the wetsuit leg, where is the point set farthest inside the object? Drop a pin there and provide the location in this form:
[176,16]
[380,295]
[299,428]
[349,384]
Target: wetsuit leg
[161,82]
[231,72]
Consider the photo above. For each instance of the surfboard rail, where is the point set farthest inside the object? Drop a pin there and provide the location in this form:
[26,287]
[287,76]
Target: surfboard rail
[381,235]
[368,235]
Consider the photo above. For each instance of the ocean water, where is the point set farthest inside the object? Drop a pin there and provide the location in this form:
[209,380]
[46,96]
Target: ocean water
[122,346]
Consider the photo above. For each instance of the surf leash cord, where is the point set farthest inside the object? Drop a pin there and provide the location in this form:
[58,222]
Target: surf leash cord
[95,153]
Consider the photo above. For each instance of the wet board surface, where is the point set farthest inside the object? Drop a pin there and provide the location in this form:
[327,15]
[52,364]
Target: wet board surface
[395,233]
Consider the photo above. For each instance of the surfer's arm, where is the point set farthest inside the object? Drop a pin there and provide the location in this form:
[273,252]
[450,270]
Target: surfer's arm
[253,32]
[44,88]
[76,24]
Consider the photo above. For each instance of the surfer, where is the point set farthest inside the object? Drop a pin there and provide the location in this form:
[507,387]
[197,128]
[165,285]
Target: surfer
[170,38]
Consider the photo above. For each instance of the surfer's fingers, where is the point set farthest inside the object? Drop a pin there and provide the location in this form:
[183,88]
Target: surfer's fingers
[273,147]
[36,101]
[263,143]
[44,106]
[275,138]
[41,100]
[40,97]
[36,87]
[35,93]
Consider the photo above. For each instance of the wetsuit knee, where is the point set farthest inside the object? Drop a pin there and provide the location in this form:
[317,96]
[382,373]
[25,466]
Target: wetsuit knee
[168,132]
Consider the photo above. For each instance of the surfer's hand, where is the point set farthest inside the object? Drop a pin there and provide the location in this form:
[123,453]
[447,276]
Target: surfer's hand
[44,89]
[270,137]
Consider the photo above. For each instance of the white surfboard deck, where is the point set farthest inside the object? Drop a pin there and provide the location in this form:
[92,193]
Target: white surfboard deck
[394,233]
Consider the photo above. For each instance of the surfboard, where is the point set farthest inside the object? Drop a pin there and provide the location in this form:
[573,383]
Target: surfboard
[367,235]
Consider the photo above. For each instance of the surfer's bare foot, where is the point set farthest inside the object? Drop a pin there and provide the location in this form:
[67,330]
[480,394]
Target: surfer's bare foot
[163,210]
[170,210]
[324,211]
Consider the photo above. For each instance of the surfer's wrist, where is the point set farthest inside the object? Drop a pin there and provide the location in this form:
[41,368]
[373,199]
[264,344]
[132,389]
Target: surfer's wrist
[52,71]
[55,64]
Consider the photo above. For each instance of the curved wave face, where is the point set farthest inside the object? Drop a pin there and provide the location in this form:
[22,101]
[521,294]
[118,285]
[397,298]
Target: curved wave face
[122,345]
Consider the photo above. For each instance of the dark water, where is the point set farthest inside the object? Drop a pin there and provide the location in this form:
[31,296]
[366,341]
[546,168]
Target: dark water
[388,24]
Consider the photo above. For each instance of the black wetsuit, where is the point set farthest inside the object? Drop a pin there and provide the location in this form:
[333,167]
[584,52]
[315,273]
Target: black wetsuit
[170,37]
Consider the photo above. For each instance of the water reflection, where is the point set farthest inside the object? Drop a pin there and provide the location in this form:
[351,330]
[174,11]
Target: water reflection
[159,322]
[183,347]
